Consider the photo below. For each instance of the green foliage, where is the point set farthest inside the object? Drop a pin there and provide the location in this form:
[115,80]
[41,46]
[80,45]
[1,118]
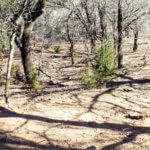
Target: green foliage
[4,39]
[16,73]
[12,5]
[102,69]
[2,81]
[1,55]
[6,7]
[57,49]
[14,70]
[35,84]
[4,42]
[76,55]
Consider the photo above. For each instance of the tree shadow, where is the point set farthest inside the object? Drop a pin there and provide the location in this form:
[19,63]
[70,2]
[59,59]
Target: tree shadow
[8,142]
[131,137]
[95,98]
[130,81]
[135,130]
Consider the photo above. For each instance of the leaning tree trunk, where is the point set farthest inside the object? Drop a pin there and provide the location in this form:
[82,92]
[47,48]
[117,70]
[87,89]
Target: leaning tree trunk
[119,46]
[135,45]
[17,18]
[10,60]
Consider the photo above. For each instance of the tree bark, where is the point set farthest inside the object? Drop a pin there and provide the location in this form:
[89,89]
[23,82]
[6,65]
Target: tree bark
[25,48]
[72,53]
[10,60]
[90,31]
[71,41]
[71,38]
[119,46]
[16,20]
[102,22]
[135,45]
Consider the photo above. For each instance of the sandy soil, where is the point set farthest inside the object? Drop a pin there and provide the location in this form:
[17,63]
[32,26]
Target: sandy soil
[64,116]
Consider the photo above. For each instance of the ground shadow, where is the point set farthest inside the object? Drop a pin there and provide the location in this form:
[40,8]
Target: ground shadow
[8,142]
[131,137]
[135,130]
[130,81]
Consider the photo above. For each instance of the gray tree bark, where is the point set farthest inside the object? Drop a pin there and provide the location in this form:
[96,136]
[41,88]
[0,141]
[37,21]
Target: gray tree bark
[135,45]
[25,48]
[16,20]
[120,29]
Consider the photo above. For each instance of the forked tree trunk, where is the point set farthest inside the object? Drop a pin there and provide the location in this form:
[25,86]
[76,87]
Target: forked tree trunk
[25,49]
[23,41]
[135,45]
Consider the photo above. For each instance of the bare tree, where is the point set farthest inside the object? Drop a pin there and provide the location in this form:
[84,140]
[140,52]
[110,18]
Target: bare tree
[122,16]
[71,35]
[93,16]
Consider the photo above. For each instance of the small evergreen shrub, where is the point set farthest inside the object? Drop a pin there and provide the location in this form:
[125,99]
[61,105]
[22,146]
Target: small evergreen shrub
[57,49]
[76,55]
[16,73]
[1,56]
[2,81]
[34,82]
[14,70]
[102,69]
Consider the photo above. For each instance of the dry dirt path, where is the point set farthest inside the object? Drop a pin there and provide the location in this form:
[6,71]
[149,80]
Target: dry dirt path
[64,116]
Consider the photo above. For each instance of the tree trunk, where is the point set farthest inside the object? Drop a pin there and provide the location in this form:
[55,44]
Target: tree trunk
[10,60]
[71,41]
[26,50]
[102,22]
[92,45]
[72,53]
[13,37]
[119,46]
[135,45]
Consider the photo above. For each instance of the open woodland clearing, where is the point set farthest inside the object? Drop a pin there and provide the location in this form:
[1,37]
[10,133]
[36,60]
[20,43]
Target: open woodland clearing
[63,115]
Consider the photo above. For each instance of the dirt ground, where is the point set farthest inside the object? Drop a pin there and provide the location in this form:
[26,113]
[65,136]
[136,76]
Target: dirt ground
[63,115]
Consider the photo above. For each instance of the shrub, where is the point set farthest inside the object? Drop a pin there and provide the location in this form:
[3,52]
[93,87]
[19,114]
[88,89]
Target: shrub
[35,84]
[1,55]
[102,69]
[57,49]
[76,55]
[16,73]
[14,70]
[2,81]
